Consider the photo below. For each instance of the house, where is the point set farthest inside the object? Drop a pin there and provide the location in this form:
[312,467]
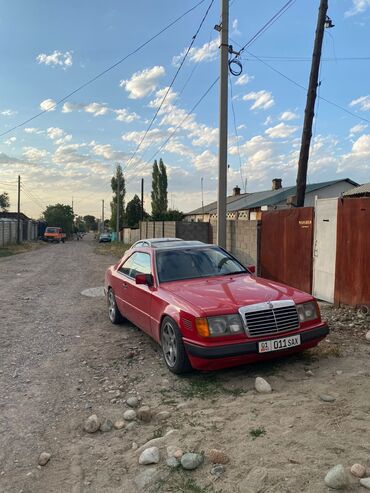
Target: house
[250,205]
[361,191]
[9,227]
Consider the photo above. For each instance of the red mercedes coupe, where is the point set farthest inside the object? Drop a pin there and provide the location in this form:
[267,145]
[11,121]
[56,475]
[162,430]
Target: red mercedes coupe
[205,309]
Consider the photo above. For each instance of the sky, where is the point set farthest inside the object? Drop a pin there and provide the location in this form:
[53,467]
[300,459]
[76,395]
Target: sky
[69,152]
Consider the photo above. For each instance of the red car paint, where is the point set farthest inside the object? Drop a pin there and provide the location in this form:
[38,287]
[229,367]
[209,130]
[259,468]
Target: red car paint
[185,300]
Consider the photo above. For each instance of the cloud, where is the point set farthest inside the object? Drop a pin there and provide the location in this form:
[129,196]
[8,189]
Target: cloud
[124,115]
[288,116]
[359,157]
[143,83]
[242,80]
[205,53]
[363,102]
[8,112]
[33,130]
[357,129]
[57,58]
[10,141]
[358,7]
[281,131]
[262,100]
[54,133]
[48,105]
[205,161]
[34,154]
[234,26]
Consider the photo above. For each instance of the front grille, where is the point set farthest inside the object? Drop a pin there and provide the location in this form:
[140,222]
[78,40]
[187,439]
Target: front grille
[270,318]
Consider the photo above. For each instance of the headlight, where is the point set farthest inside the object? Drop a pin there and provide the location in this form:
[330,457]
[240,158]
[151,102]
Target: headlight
[308,311]
[219,326]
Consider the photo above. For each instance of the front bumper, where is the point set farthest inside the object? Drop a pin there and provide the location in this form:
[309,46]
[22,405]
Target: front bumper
[248,351]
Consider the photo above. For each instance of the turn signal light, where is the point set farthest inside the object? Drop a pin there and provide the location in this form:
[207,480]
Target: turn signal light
[201,325]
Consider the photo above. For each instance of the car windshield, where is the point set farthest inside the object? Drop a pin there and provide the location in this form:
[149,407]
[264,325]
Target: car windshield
[175,265]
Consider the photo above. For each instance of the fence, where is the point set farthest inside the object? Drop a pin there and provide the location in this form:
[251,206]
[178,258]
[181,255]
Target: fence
[8,231]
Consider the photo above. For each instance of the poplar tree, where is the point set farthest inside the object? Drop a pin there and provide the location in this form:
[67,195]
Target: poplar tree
[159,190]
[121,200]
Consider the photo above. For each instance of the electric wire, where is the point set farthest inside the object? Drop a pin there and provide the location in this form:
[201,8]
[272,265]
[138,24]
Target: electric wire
[171,84]
[305,89]
[101,74]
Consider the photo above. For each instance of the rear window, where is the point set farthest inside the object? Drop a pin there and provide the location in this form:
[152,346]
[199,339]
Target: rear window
[52,230]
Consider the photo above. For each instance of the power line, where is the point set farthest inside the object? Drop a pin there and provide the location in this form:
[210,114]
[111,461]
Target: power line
[171,84]
[305,89]
[96,77]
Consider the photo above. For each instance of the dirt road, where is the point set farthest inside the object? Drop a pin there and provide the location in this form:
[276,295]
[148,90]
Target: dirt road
[61,361]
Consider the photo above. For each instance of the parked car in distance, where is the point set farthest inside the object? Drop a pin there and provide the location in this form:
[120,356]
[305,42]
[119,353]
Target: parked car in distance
[54,234]
[206,310]
[105,237]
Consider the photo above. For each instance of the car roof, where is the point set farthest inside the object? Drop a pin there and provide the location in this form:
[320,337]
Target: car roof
[168,243]
[180,245]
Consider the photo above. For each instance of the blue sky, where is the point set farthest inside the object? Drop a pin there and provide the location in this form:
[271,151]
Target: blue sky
[49,49]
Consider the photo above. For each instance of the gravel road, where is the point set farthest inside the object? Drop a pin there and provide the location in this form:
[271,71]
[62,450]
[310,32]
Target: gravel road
[62,360]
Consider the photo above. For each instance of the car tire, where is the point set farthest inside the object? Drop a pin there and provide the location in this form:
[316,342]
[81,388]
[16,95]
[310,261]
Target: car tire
[173,348]
[113,312]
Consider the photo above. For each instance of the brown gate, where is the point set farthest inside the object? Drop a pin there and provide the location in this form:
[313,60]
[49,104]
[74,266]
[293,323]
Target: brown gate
[352,282]
[286,246]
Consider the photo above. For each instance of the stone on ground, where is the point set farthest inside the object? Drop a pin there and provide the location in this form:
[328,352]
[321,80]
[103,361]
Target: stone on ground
[132,401]
[149,456]
[44,458]
[191,461]
[365,482]
[262,386]
[106,425]
[92,424]
[129,415]
[327,398]
[217,456]
[358,470]
[119,424]
[336,478]
[173,462]
[144,414]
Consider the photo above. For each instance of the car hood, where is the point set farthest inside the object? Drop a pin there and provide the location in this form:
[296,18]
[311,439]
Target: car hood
[213,296]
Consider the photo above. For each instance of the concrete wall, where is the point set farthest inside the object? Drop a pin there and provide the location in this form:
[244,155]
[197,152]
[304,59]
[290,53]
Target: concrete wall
[175,229]
[242,240]
[129,236]
[8,231]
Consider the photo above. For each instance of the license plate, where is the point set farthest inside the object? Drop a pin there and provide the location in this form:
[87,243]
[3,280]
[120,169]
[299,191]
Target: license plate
[279,344]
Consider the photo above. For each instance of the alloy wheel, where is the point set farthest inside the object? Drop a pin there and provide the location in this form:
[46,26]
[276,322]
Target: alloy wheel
[169,344]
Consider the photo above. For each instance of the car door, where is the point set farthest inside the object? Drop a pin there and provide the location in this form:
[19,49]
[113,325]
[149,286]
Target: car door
[137,297]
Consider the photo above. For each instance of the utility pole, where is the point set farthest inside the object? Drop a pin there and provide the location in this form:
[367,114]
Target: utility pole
[102,216]
[201,189]
[310,105]
[222,149]
[117,211]
[19,211]
[142,199]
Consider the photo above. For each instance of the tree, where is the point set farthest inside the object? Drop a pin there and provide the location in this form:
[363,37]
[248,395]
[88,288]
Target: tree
[59,215]
[121,200]
[133,212]
[4,201]
[173,215]
[91,223]
[159,190]
[80,224]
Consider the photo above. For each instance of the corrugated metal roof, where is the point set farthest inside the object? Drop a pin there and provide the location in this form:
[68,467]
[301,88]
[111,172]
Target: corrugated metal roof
[266,197]
[361,190]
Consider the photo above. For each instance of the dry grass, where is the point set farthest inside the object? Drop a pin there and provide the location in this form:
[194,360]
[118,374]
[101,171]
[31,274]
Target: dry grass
[114,248]
[27,246]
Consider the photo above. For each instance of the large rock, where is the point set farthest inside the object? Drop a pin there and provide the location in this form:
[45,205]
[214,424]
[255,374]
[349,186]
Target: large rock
[149,456]
[191,461]
[144,414]
[365,482]
[132,401]
[337,478]
[217,456]
[44,458]
[358,470]
[262,386]
[92,424]
[129,415]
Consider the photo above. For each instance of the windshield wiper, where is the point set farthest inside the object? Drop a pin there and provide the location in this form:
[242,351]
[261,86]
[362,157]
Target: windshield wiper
[235,272]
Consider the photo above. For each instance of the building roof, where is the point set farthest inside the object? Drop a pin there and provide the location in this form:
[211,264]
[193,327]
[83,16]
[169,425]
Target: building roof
[266,197]
[14,215]
[361,191]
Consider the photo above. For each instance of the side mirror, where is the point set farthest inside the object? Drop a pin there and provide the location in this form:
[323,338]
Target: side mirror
[144,279]
[251,268]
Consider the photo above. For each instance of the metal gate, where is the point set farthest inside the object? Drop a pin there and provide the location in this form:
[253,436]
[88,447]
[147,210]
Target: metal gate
[324,250]
[286,246]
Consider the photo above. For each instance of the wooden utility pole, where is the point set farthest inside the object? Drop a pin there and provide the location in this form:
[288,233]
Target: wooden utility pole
[102,216]
[222,143]
[310,106]
[117,211]
[19,211]
[142,199]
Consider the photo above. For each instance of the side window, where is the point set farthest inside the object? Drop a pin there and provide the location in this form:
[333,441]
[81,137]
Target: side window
[138,263]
